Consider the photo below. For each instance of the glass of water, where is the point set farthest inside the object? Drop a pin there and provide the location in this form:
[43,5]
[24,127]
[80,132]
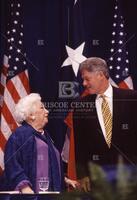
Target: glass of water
[43,183]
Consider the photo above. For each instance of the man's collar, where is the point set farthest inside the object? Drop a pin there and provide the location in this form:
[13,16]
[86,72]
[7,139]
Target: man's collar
[108,93]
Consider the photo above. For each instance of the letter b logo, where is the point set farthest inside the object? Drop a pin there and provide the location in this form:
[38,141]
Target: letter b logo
[68,89]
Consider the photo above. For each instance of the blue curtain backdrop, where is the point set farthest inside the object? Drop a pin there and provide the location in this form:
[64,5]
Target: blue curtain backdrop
[49,25]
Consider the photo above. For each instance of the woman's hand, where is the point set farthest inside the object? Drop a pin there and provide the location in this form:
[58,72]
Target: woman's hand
[73,183]
[27,190]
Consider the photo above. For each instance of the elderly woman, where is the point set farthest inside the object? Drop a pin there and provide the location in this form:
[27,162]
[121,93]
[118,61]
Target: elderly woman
[32,162]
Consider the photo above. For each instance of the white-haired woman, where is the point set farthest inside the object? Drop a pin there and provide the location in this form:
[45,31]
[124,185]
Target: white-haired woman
[32,162]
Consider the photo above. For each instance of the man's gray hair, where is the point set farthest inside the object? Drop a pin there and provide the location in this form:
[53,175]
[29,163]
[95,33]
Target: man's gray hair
[26,106]
[95,64]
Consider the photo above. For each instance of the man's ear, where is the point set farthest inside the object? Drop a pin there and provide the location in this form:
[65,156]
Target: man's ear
[100,74]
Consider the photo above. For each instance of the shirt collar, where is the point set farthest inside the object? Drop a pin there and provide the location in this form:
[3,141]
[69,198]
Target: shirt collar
[108,93]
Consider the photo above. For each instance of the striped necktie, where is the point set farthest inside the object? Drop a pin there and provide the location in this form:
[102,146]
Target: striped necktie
[107,117]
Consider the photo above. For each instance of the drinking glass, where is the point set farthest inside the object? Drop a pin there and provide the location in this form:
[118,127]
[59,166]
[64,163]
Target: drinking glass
[43,183]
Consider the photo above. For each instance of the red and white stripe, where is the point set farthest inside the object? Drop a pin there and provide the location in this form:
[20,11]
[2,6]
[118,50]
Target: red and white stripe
[125,84]
[15,88]
[3,78]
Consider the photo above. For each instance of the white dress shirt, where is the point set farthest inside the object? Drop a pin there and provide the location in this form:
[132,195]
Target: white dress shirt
[109,97]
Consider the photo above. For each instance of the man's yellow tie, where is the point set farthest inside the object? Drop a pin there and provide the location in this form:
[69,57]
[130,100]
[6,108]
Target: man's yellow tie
[107,117]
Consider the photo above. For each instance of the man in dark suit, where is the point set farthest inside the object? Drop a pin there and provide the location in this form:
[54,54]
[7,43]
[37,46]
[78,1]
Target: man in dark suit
[98,139]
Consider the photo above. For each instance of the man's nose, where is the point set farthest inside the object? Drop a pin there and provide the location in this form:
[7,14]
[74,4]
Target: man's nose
[84,83]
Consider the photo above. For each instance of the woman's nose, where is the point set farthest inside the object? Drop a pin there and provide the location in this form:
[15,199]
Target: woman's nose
[46,111]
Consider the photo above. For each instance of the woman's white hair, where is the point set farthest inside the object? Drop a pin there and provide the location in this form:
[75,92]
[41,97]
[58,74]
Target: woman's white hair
[26,106]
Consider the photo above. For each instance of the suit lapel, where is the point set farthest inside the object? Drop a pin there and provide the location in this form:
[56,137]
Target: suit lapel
[117,108]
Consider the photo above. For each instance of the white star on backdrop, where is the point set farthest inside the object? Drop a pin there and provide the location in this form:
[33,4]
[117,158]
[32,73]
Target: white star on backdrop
[75,57]
[75,2]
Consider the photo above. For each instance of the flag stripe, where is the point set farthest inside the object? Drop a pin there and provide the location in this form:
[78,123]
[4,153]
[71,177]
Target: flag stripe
[8,116]
[9,101]
[5,127]
[4,70]
[13,92]
[3,83]
[123,85]
[1,94]
[1,160]
[2,141]
[24,80]
[3,78]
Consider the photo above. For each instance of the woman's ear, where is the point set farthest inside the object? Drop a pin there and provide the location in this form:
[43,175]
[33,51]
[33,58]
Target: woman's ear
[33,117]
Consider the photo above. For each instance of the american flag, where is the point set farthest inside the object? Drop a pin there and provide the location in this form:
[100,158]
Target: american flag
[118,61]
[17,83]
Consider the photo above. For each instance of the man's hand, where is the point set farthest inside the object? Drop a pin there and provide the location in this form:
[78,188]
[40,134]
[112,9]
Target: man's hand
[27,190]
[85,184]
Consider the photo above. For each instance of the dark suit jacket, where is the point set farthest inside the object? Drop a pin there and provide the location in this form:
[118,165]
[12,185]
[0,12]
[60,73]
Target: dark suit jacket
[90,144]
